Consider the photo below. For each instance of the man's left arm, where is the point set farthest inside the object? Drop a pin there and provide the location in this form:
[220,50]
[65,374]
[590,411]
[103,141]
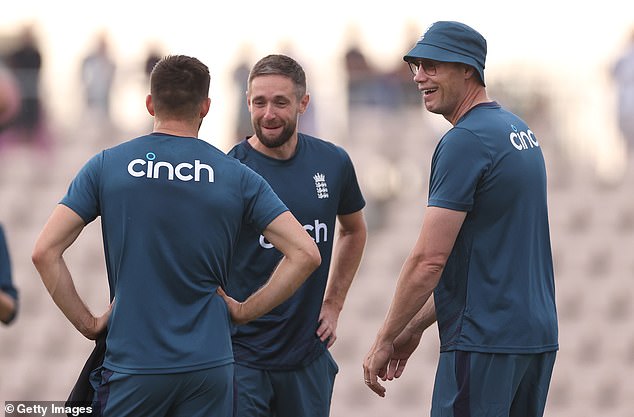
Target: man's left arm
[346,257]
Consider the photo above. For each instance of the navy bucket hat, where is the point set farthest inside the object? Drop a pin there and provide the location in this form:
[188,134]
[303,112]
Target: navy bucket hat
[448,41]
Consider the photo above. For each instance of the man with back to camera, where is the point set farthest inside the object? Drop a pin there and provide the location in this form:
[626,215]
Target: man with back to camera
[483,249]
[283,366]
[171,208]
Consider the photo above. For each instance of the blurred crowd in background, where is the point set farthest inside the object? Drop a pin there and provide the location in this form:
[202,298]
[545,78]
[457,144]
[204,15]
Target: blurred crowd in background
[106,87]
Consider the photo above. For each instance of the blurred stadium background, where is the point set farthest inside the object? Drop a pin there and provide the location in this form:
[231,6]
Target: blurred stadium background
[551,64]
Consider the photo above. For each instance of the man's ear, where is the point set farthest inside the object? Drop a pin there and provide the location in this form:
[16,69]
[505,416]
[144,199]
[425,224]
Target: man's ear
[149,105]
[303,103]
[248,98]
[469,72]
[205,107]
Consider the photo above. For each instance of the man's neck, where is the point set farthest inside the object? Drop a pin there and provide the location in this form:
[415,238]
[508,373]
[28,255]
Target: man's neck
[472,98]
[177,128]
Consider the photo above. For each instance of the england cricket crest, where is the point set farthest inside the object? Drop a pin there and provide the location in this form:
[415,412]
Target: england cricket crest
[320,185]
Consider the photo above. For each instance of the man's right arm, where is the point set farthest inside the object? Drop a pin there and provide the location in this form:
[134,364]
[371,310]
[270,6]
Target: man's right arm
[301,258]
[59,232]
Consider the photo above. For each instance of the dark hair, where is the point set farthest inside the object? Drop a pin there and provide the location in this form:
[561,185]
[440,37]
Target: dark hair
[281,65]
[178,84]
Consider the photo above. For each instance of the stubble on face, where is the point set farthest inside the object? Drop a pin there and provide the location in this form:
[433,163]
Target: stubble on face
[275,141]
[274,109]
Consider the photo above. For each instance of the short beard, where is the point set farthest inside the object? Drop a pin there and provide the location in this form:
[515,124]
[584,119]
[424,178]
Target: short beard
[277,141]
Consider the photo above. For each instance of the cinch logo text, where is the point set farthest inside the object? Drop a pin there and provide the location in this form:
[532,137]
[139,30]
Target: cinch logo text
[318,231]
[522,140]
[184,171]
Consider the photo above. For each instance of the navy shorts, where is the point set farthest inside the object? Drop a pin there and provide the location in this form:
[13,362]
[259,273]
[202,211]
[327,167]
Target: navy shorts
[471,384]
[305,392]
[203,393]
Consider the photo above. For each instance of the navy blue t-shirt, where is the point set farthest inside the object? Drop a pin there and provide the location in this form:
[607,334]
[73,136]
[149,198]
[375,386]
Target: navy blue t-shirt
[497,292]
[171,210]
[6,280]
[316,184]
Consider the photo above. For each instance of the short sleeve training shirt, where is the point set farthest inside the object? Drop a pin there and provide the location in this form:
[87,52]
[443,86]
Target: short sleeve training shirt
[317,184]
[496,293]
[171,209]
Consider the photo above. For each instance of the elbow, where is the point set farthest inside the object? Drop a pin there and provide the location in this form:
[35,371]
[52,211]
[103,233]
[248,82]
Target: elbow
[37,257]
[313,257]
[46,260]
[435,267]
[430,266]
[40,256]
[308,255]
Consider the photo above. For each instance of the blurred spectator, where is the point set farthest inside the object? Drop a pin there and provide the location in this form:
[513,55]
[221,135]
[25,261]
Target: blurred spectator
[399,81]
[371,91]
[26,62]
[243,117]
[9,96]
[152,58]
[153,55]
[97,75]
[8,293]
[623,73]
[368,124]
[362,78]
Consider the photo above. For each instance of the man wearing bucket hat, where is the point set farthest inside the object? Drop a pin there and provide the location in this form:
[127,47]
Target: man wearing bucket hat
[483,250]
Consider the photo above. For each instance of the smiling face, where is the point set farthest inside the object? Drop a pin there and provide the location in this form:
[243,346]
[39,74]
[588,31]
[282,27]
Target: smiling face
[275,108]
[449,88]
[444,90]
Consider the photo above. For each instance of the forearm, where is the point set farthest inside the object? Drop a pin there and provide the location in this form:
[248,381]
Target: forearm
[425,317]
[345,263]
[58,281]
[287,277]
[422,271]
[301,258]
[414,288]
[7,307]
